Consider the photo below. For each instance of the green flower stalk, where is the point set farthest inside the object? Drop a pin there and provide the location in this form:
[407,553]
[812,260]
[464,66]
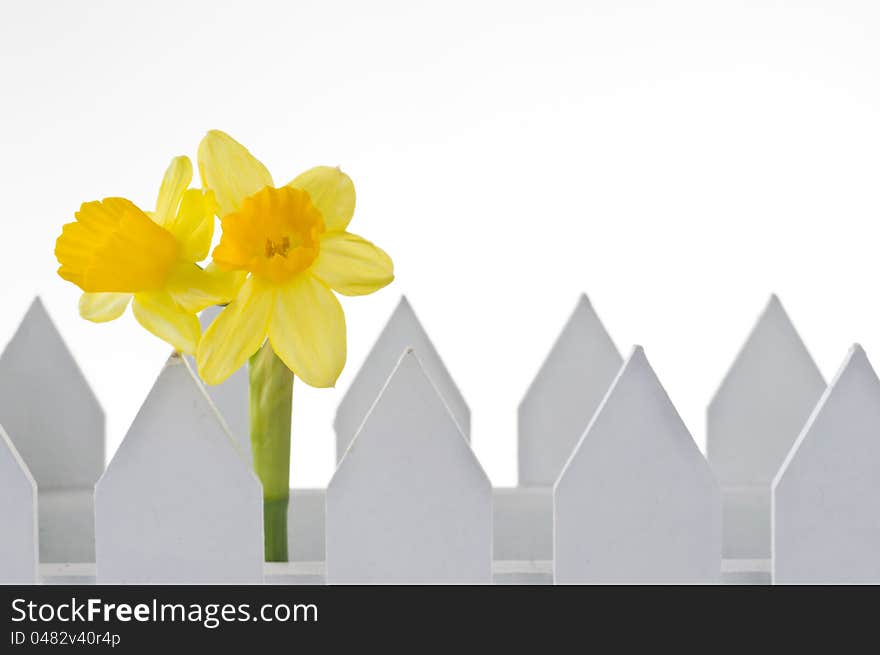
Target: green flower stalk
[271,398]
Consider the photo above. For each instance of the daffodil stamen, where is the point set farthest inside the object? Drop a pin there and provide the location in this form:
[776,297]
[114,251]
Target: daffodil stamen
[281,249]
[274,235]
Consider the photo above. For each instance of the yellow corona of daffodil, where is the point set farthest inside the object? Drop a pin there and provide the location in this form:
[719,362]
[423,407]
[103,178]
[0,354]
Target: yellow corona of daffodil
[117,253]
[293,243]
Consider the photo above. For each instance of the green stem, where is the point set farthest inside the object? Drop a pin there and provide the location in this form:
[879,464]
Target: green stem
[275,529]
[271,397]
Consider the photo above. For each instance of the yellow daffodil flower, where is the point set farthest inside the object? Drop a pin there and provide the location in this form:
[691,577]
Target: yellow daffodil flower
[117,253]
[293,243]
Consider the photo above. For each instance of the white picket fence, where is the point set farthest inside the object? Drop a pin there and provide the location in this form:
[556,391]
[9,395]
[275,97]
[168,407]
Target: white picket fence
[613,487]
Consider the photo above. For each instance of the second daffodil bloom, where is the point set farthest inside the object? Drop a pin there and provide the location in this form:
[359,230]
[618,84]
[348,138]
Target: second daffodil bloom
[118,254]
[293,242]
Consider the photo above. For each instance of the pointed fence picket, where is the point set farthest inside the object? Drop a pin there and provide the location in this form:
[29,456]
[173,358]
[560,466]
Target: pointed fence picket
[409,501]
[564,395]
[612,486]
[231,395]
[551,418]
[636,501]
[57,425]
[19,557]
[178,504]
[752,422]
[826,514]
[402,331]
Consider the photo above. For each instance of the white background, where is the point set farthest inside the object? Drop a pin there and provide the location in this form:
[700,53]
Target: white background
[676,161]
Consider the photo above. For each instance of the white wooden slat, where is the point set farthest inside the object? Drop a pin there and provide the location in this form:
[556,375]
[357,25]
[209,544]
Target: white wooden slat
[402,331]
[48,408]
[566,391]
[637,502]
[409,503]
[752,422]
[230,397]
[57,425]
[826,496]
[178,504]
[19,557]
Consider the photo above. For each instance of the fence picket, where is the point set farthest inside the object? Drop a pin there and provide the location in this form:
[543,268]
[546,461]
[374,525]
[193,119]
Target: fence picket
[637,502]
[178,504]
[752,422]
[402,331]
[566,391]
[18,516]
[230,397]
[826,496]
[56,423]
[409,501]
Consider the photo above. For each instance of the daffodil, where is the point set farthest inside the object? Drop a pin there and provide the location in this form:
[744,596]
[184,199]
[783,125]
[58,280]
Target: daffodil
[293,242]
[293,245]
[117,253]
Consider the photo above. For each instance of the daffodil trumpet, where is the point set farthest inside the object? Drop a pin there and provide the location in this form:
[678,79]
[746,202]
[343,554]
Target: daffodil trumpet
[290,247]
[119,254]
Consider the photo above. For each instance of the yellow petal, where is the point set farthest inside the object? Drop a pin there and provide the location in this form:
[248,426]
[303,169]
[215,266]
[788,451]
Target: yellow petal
[229,170]
[194,288]
[177,178]
[307,331]
[114,246]
[332,192]
[193,225]
[351,265]
[234,279]
[236,333]
[159,314]
[103,307]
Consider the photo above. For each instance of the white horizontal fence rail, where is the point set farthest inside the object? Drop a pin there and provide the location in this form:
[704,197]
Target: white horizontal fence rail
[612,489]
